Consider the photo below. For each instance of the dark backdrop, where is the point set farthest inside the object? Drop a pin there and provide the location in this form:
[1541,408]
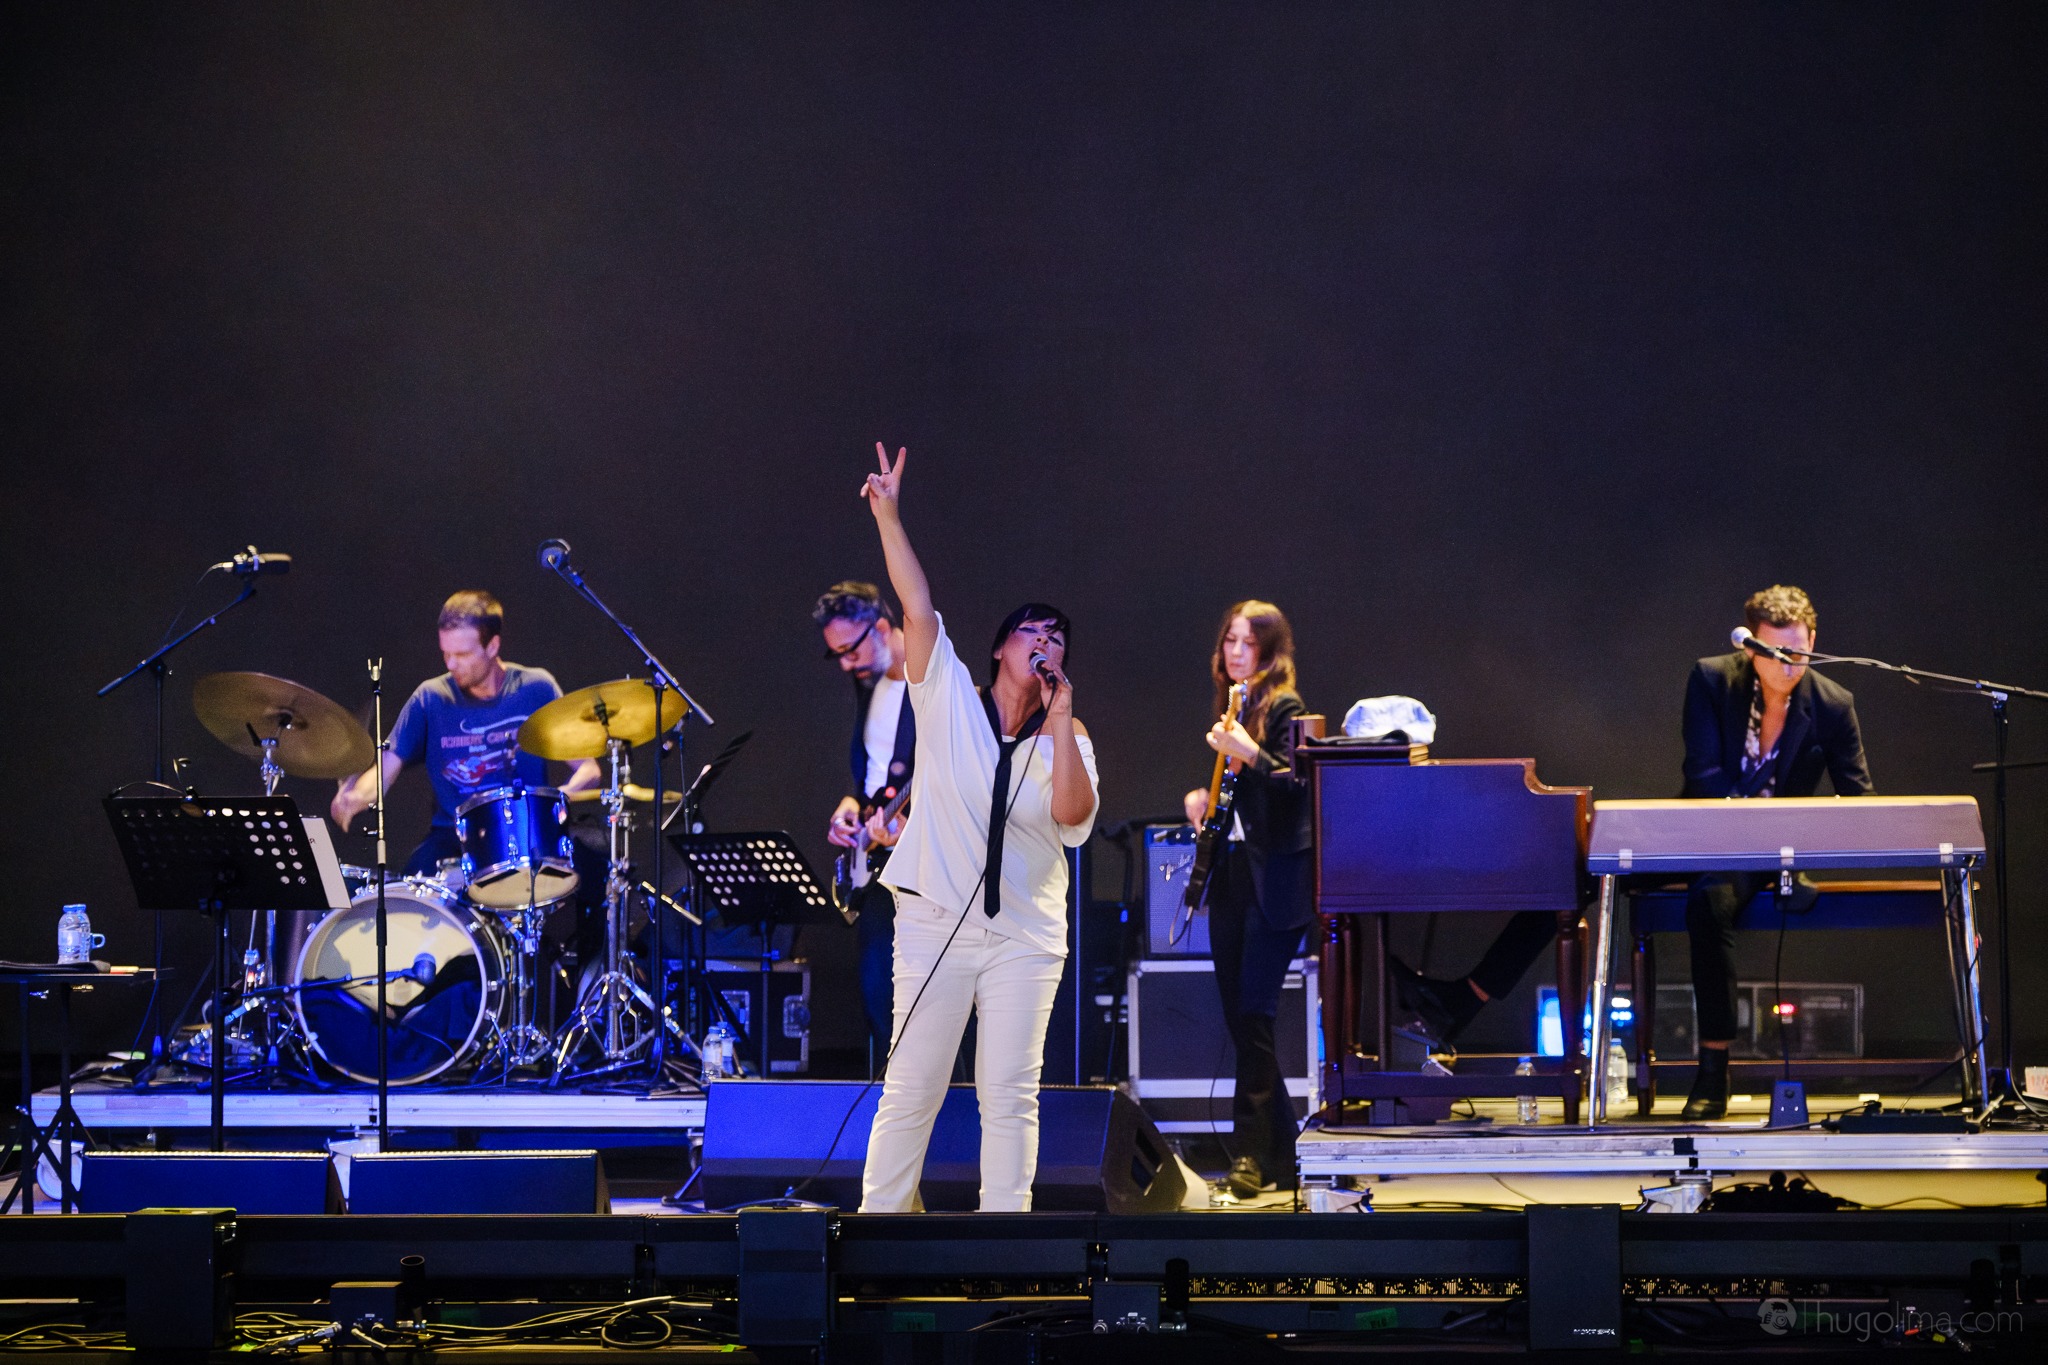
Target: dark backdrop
[1508,346]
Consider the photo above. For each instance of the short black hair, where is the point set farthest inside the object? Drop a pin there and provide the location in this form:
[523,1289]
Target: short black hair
[1030,611]
[851,600]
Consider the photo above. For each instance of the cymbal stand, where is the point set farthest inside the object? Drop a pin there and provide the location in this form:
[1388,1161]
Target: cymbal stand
[554,556]
[615,1014]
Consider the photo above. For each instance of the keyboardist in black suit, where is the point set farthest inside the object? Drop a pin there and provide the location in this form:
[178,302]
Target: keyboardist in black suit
[1754,727]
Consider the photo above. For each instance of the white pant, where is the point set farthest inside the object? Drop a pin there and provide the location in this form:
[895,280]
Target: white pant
[1009,986]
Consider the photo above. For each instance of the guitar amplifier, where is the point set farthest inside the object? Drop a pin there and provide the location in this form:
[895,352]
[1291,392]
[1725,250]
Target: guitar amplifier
[1169,930]
[738,982]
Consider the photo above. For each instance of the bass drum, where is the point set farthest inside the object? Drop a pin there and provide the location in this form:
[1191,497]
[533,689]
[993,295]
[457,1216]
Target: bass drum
[447,964]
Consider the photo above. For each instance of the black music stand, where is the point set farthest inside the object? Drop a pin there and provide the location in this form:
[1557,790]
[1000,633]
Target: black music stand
[759,880]
[221,855]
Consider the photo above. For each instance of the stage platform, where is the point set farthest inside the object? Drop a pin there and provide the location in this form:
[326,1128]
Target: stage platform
[530,1109]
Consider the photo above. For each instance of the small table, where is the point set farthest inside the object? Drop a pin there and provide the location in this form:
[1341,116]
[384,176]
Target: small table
[54,1140]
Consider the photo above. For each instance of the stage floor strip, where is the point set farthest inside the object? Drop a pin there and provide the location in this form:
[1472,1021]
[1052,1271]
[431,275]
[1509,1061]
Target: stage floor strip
[553,1111]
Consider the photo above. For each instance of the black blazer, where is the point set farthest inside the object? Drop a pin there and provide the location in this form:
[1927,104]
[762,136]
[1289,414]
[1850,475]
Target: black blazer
[1278,826]
[1821,733]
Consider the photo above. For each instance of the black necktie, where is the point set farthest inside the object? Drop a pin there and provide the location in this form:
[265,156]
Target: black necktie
[999,801]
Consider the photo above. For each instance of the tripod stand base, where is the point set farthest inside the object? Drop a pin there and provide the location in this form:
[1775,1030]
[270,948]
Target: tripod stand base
[617,1017]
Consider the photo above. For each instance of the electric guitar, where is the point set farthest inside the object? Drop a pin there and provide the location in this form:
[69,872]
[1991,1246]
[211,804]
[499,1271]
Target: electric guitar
[849,858]
[1216,826]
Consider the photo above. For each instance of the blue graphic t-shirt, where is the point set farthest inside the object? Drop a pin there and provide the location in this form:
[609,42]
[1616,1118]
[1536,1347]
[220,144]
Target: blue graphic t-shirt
[468,745]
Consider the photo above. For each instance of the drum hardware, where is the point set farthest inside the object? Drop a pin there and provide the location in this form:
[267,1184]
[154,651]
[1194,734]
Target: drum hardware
[660,692]
[522,1041]
[615,1013]
[288,729]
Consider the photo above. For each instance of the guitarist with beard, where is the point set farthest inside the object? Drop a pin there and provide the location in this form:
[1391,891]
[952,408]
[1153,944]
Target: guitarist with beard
[1259,892]
[863,639]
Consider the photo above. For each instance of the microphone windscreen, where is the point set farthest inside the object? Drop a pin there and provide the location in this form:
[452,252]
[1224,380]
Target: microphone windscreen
[423,969]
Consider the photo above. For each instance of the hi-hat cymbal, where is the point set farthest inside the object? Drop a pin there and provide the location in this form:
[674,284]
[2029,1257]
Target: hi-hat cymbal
[578,724]
[635,794]
[315,737]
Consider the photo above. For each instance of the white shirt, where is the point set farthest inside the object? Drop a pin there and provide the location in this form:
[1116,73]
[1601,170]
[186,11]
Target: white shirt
[878,737]
[945,843]
[885,706]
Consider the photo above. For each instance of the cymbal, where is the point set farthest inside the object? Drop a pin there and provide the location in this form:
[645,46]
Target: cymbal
[635,794]
[315,737]
[578,724]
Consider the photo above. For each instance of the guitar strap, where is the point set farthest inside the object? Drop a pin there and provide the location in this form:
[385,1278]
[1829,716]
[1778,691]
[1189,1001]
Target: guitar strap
[999,800]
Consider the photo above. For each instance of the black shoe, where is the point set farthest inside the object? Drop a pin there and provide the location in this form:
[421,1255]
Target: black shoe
[1245,1179]
[1709,1096]
[1442,1007]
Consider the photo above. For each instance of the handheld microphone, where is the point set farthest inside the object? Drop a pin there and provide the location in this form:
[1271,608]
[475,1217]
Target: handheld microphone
[1743,639]
[554,554]
[1042,666]
[252,561]
[423,969]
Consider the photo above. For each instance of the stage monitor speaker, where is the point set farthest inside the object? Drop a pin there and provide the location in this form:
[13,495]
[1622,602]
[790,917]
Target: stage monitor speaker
[181,1281]
[1097,1152]
[1574,1277]
[247,1182]
[478,1182]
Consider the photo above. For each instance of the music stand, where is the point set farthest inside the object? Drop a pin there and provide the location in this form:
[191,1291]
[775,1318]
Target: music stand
[220,855]
[759,879]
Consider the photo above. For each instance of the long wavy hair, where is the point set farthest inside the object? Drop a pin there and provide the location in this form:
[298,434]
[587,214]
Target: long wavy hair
[1274,672]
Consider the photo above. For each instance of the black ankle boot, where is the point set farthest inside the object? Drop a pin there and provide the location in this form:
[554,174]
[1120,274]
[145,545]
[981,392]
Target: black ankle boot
[1709,1096]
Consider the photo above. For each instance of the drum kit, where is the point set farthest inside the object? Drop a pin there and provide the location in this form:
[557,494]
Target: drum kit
[464,946]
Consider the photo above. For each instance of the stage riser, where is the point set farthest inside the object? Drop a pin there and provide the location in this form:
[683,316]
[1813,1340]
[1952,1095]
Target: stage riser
[871,1281]
[1656,1154]
[516,1250]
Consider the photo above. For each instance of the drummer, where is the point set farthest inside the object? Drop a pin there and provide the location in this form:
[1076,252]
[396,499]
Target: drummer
[464,726]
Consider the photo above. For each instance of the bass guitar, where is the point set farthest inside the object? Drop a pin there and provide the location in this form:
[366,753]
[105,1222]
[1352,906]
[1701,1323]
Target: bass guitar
[850,858]
[1216,825]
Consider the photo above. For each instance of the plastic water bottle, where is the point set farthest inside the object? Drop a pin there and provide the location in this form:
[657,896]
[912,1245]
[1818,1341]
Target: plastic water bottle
[74,935]
[1525,1105]
[1617,1077]
[721,1052]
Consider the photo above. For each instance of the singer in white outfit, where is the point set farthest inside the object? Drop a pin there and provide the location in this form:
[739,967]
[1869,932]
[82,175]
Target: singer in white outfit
[974,932]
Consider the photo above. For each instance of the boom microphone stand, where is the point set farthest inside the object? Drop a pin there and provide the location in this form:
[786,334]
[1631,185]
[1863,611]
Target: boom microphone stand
[554,556]
[2003,1093]
[159,667]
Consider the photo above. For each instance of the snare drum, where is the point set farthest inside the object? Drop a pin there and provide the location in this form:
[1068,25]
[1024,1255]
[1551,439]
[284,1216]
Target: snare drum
[437,1022]
[515,849]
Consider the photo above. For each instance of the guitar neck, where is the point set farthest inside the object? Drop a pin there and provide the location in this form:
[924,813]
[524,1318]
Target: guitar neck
[864,841]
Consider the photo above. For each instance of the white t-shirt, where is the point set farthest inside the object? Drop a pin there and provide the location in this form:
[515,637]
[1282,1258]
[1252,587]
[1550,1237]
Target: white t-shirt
[945,843]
